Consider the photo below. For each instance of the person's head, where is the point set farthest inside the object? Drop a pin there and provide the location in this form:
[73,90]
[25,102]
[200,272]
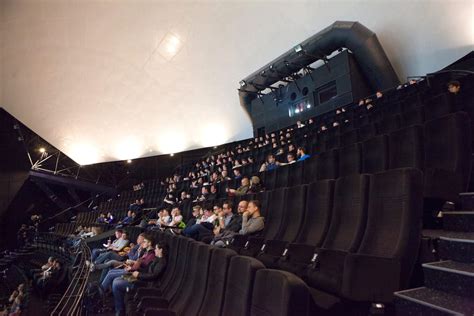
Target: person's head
[237,172]
[301,151]
[245,181]
[118,233]
[255,180]
[50,260]
[379,94]
[165,213]
[253,208]
[290,157]
[291,147]
[161,250]
[196,211]
[124,236]
[176,211]
[217,209]
[227,207]
[142,201]
[242,206]
[148,242]
[207,212]
[224,173]
[271,158]
[213,189]
[140,239]
[133,214]
[454,86]
[109,214]
[204,190]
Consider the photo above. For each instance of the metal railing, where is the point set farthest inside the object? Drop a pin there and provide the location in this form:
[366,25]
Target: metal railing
[71,301]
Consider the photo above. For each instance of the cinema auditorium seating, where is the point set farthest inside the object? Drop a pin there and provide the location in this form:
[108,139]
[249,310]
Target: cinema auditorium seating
[342,228]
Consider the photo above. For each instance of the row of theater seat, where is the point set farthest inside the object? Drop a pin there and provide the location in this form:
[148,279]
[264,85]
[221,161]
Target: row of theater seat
[441,148]
[203,280]
[356,237]
[353,239]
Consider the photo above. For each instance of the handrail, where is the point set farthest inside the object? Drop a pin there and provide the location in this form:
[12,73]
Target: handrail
[70,302]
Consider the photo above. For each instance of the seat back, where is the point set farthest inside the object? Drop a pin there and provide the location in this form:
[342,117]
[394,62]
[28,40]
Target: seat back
[239,285]
[295,174]
[319,205]
[281,177]
[216,281]
[394,218]
[291,298]
[327,165]
[406,148]
[274,219]
[375,154]
[350,160]
[349,215]
[293,213]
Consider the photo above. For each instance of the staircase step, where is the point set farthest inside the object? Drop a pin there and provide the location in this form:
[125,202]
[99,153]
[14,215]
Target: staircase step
[458,221]
[450,276]
[426,301]
[457,247]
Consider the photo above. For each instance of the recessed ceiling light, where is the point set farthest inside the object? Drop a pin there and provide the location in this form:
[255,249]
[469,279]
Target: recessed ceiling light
[169,46]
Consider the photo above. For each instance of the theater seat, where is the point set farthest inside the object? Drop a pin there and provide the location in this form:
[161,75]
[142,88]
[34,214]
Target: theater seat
[375,154]
[270,179]
[387,253]
[447,156]
[309,169]
[345,232]
[350,160]
[239,286]
[319,202]
[406,148]
[295,174]
[415,116]
[327,165]
[273,222]
[293,215]
[279,293]
[216,282]
[388,124]
[282,174]
[438,106]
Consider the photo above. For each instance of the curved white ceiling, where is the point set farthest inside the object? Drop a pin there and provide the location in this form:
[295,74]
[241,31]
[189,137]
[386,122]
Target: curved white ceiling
[113,80]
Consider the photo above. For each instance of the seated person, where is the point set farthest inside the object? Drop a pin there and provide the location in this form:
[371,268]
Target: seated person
[101,219]
[203,227]
[252,221]
[117,245]
[270,164]
[242,190]
[153,273]
[290,157]
[37,273]
[176,218]
[134,252]
[109,219]
[255,185]
[140,265]
[127,220]
[301,154]
[49,279]
[229,223]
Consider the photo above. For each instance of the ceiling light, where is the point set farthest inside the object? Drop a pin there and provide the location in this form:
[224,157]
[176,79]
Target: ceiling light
[170,46]
[171,154]
[298,48]
[242,83]
[129,161]
[42,150]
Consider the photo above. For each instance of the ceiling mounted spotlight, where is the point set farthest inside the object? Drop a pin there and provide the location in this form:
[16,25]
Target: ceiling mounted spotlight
[42,150]
[16,126]
[129,161]
[298,48]
[242,83]
[171,155]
